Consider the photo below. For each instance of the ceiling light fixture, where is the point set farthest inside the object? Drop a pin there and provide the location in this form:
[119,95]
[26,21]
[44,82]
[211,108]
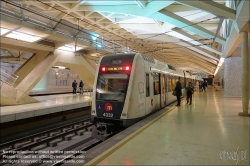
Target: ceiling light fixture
[69,47]
[221,62]
[23,36]
[61,67]
[3,31]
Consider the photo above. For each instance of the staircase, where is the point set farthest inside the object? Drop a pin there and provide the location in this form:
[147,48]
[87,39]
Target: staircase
[9,92]
[7,78]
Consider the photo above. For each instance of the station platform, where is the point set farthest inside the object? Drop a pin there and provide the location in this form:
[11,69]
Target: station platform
[208,132]
[47,105]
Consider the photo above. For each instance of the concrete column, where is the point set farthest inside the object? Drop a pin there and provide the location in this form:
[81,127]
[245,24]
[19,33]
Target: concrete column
[78,65]
[28,83]
[245,75]
[29,65]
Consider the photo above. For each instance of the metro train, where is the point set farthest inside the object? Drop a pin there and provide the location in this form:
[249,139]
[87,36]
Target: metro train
[129,87]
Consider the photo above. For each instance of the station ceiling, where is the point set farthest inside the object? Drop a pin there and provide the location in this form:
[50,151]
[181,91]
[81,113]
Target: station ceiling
[185,34]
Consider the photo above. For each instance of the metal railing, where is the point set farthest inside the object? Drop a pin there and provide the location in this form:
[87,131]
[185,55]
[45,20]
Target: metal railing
[8,78]
[88,92]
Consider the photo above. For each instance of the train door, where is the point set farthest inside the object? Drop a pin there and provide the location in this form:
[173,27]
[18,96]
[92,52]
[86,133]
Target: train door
[166,88]
[163,91]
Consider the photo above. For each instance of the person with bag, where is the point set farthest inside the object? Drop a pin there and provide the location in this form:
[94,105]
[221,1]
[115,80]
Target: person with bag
[178,93]
[190,91]
[81,84]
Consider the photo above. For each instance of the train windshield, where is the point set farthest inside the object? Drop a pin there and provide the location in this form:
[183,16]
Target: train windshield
[112,87]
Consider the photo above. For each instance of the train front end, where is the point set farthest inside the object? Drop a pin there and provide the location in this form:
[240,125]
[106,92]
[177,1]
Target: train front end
[110,91]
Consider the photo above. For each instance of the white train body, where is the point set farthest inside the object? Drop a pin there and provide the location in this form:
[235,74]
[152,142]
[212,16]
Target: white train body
[129,87]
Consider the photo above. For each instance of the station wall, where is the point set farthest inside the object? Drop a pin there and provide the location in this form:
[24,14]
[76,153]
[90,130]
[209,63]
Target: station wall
[57,81]
[232,75]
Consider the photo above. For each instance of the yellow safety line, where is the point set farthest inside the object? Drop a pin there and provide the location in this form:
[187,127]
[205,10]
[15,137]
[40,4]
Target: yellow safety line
[111,150]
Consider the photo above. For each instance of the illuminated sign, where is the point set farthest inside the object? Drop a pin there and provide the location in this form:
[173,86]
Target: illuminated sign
[114,68]
[121,68]
[210,76]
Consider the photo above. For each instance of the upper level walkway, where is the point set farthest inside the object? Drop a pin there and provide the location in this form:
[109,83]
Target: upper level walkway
[208,132]
[47,105]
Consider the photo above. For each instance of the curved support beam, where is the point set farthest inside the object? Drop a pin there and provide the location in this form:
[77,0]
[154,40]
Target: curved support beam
[135,10]
[196,41]
[211,7]
[162,15]
[141,3]
[178,21]
[240,24]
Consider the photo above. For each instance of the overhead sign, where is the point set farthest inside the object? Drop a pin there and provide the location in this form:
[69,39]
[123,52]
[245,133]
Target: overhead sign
[210,76]
[114,68]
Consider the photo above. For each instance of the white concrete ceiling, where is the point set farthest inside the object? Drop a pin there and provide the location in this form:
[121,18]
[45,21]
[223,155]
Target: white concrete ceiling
[177,32]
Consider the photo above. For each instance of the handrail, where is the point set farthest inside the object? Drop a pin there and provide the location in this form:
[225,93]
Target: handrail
[8,78]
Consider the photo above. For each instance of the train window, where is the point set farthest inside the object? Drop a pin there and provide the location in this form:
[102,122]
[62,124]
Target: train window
[112,87]
[147,86]
[182,82]
[141,87]
[156,84]
[166,83]
[169,84]
[173,82]
[116,61]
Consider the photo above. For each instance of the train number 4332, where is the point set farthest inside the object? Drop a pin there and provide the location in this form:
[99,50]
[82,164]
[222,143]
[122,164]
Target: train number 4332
[110,115]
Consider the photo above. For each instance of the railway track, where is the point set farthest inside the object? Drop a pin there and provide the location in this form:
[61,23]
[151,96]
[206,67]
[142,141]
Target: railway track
[27,148]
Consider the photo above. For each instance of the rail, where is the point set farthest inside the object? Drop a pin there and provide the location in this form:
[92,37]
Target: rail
[32,143]
[8,78]
[88,92]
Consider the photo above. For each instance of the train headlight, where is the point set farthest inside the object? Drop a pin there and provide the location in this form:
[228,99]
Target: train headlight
[124,114]
[127,68]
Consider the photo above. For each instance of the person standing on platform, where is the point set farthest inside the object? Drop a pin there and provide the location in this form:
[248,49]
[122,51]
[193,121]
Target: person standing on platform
[197,86]
[200,86]
[204,86]
[74,86]
[190,91]
[178,93]
[81,84]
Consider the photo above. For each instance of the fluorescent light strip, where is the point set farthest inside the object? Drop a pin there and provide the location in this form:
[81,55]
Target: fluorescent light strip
[68,47]
[22,36]
[4,30]
[217,69]
[61,67]
[221,61]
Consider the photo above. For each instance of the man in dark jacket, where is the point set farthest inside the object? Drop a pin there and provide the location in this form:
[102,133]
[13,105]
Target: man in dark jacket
[74,86]
[81,84]
[190,91]
[178,93]
[204,86]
